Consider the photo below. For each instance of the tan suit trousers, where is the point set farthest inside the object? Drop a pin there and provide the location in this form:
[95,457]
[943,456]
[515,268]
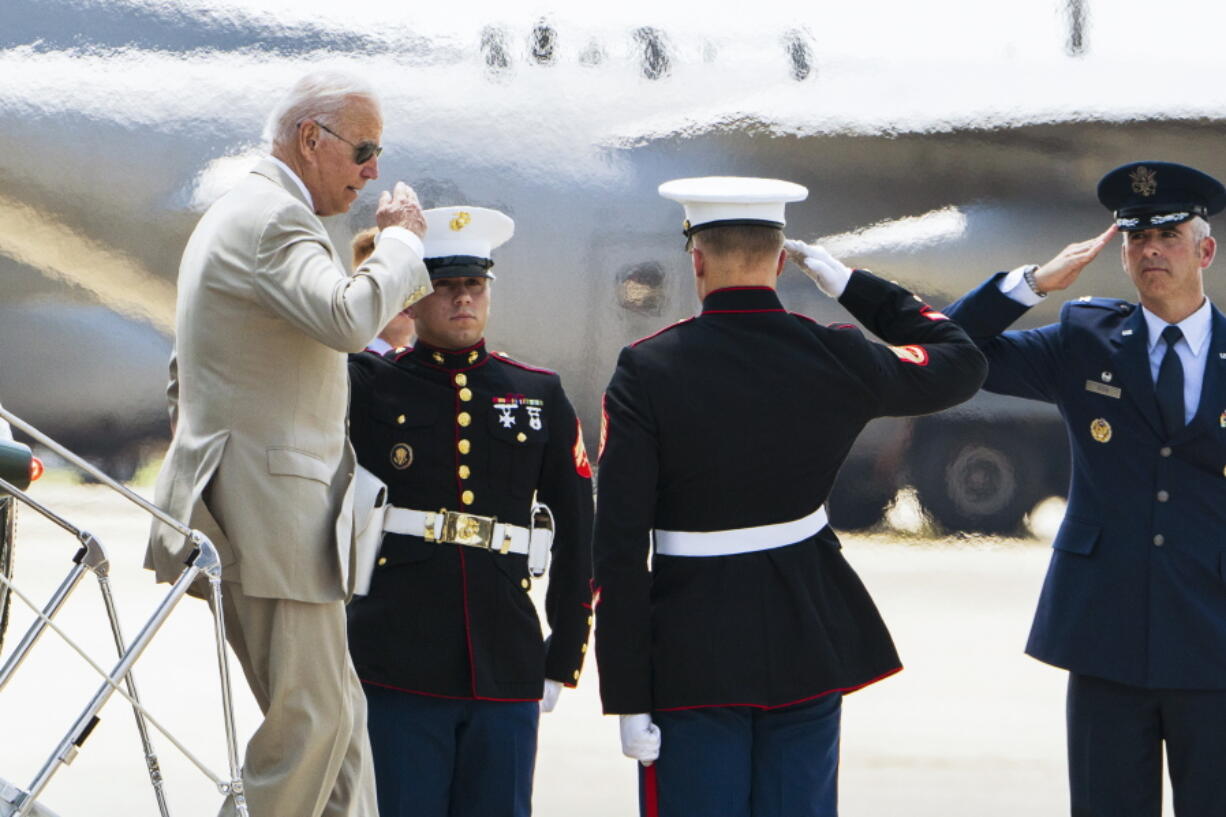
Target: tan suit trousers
[311,754]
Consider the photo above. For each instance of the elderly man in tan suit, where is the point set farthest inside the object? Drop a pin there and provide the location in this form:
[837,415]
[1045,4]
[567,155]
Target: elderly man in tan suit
[260,460]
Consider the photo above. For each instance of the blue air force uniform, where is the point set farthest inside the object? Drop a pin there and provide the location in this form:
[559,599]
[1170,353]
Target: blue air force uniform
[722,437]
[1134,603]
[447,642]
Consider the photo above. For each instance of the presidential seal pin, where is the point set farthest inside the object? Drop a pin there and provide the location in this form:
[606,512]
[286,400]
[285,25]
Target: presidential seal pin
[402,456]
[1100,430]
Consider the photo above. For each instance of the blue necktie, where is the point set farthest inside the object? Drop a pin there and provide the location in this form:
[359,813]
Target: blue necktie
[1170,383]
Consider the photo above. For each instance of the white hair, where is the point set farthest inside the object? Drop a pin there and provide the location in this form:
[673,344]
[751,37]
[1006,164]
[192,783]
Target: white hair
[322,95]
[1200,228]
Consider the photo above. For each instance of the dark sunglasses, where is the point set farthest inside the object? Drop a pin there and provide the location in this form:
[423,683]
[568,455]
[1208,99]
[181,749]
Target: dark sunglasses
[363,152]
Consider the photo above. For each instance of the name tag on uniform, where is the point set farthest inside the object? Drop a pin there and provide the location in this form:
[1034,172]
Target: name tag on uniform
[1103,389]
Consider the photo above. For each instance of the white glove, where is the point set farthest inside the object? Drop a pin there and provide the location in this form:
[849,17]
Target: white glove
[640,738]
[550,699]
[828,272]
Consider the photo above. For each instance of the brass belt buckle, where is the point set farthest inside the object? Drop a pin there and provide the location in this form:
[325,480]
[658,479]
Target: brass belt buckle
[468,529]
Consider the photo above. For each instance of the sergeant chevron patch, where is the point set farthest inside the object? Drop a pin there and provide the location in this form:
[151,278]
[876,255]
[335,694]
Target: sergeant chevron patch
[911,354]
[583,466]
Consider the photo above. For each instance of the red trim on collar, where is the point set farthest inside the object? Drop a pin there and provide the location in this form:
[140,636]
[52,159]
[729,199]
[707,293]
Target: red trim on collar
[738,289]
[662,331]
[740,311]
[894,671]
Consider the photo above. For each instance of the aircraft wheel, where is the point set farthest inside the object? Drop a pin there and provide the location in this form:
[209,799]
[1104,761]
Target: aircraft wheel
[978,481]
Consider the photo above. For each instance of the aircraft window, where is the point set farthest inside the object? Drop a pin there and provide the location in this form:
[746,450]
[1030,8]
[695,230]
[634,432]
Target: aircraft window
[543,43]
[640,288]
[592,55]
[494,48]
[655,56]
[1076,45]
[798,52]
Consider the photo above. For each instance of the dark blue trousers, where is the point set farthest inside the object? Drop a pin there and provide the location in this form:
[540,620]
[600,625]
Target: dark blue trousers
[1115,737]
[438,757]
[737,761]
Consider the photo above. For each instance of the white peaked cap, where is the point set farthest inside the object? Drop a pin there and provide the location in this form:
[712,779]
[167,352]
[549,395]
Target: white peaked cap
[471,231]
[712,201]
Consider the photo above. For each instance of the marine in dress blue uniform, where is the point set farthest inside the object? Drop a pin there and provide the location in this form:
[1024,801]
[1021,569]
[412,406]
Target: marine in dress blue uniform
[447,642]
[1134,603]
[723,433]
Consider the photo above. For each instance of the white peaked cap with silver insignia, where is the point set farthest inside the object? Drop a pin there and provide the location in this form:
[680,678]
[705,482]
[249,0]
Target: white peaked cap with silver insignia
[465,231]
[713,201]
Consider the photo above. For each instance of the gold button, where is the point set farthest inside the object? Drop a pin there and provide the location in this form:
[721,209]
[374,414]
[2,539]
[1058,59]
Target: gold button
[589,621]
[464,418]
[583,648]
[400,420]
[467,497]
[522,437]
[465,471]
[576,675]
[461,379]
[464,446]
[382,560]
[466,395]
[525,584]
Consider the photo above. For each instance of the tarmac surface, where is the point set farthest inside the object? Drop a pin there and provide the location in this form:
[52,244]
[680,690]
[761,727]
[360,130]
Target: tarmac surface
[970,727]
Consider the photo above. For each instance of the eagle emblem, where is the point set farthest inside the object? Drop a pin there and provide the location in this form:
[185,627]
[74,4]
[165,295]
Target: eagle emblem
[461,220]
[1144,181]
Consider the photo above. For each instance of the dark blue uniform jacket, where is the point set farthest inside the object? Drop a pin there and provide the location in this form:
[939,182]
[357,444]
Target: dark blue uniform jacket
[737,418]
[1136,588]
[480,433]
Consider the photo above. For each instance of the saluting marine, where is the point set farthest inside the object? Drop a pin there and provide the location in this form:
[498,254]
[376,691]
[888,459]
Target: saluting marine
[1134,603]
[447,641]
[723,435]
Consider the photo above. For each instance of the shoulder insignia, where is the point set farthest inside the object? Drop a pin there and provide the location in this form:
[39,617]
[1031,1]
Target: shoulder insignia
[1113,304]
[505,358]
[931,314]
[659,332]
[911,354]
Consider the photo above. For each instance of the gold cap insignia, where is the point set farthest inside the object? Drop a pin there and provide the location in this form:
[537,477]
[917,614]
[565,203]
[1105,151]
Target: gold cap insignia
[1100,430]
[685,225]
[460,220]
[1144,181]
[402,456]
[438,358]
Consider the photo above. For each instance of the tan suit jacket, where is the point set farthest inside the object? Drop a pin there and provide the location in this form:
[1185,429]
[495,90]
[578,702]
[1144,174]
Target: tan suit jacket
[260,460]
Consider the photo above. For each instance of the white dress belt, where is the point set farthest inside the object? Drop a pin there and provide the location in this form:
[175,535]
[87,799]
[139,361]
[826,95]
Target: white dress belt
[506,538]
[739,540]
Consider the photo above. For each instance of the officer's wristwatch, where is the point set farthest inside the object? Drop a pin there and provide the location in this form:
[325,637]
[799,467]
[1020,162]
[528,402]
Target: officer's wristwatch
[1028,272]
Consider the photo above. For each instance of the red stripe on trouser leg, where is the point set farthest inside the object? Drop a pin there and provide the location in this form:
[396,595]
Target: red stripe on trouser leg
[651,796]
